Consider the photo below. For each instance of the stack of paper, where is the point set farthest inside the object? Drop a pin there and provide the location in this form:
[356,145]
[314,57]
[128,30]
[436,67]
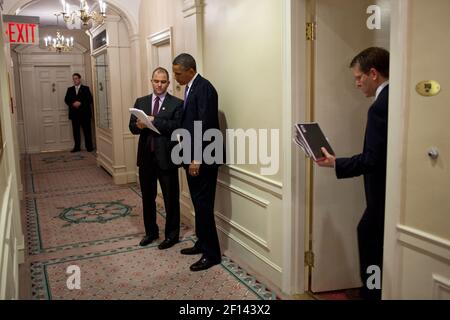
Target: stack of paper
[310,138]
[144,118]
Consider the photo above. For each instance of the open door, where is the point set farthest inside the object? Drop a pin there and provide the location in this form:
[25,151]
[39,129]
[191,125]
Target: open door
[336,207]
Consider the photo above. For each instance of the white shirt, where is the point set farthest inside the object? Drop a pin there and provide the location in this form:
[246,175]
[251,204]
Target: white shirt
[380,88]
[77,88]
[190,84]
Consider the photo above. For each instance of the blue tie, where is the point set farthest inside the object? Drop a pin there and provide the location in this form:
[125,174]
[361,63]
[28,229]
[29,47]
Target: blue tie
[185,97]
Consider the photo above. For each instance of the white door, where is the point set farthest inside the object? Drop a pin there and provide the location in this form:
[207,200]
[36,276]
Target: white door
[417,229]
[52,113]
[341,110]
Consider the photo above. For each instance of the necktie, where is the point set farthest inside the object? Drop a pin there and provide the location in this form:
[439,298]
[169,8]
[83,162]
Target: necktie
[156,107]
[154,113]
[185,96]
[77,89]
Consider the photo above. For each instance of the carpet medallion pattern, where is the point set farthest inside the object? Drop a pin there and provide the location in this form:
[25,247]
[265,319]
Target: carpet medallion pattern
[77,220]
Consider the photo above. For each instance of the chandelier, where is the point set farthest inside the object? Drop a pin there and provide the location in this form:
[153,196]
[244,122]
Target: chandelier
[83,13]
[60,43]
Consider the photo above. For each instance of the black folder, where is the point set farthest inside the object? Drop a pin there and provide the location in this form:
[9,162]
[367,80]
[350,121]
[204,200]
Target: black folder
[310,138]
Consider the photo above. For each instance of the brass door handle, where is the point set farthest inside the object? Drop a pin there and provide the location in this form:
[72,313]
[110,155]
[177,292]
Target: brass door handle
[54,87]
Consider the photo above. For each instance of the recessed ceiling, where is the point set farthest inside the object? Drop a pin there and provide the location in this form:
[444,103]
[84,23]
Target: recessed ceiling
[46,9]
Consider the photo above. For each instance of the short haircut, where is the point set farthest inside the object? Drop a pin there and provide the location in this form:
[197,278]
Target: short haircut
[374,57]
[161,70]
[186,61]
[76,75]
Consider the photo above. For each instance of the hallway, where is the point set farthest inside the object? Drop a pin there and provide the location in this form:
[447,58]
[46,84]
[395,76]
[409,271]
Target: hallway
[76,216]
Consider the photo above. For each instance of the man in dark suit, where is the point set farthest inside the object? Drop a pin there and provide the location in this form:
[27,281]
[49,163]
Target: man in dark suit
[79,100]
[371,71]
[154,159]
[201,106]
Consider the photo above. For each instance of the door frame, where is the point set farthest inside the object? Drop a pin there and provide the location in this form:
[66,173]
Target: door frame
[294,281]
[31,57]
[38,95]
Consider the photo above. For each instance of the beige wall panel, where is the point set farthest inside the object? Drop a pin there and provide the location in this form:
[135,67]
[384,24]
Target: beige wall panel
[243,60]
[427,204]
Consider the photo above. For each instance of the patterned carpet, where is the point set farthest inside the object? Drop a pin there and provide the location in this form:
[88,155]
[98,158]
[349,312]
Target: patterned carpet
[77,218]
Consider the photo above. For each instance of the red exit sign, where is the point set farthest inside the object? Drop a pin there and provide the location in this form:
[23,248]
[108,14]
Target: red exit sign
[21,29]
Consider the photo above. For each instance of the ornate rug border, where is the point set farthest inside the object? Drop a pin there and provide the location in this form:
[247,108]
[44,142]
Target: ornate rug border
[42,291]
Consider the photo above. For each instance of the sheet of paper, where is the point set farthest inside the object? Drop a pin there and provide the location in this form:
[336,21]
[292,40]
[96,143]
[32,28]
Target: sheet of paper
[144,118]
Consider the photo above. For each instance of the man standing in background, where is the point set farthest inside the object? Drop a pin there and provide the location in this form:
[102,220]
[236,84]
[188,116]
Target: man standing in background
[79,100]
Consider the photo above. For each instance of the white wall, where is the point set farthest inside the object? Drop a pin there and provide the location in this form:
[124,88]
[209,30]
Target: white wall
[11,236]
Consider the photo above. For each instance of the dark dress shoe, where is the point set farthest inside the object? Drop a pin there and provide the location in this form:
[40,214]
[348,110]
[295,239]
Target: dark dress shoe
[75,150]
[90,150]
[147,240]
[204,263]
[191,251]
[167,243]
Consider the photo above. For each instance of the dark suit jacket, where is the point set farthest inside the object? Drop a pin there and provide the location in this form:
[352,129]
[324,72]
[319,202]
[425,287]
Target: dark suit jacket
[167,120]
[85,97]
[372,162]
[202,105]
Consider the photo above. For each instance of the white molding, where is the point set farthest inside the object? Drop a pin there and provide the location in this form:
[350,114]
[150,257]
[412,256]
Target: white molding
[160,38]
[113,19]
[105,162]
[105,139]
[244,194]
[95,31]
[45,59]
[255,253]
[260,182]
[428,243]
[440,285]
[192,7]
[129,136]
[135,37]
[120,168]
[260,241]
[26,49]
[105,132]
[396,161]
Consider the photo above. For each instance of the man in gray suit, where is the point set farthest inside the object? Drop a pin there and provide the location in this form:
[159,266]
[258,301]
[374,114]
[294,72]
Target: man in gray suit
[154,159]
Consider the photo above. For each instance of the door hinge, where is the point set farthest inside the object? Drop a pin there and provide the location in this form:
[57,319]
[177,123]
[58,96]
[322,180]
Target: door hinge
[309,259]
[310,31]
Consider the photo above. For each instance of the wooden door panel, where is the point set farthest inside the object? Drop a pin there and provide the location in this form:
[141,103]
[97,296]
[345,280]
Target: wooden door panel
[56,129]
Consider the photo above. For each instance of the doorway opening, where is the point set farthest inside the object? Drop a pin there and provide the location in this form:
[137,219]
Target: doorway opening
[336,31]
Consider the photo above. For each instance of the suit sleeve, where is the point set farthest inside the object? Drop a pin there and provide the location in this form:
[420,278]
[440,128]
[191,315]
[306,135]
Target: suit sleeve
[208,108]
[208,114]
[167,126]
[374,155]
[67,98]
[133,122]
